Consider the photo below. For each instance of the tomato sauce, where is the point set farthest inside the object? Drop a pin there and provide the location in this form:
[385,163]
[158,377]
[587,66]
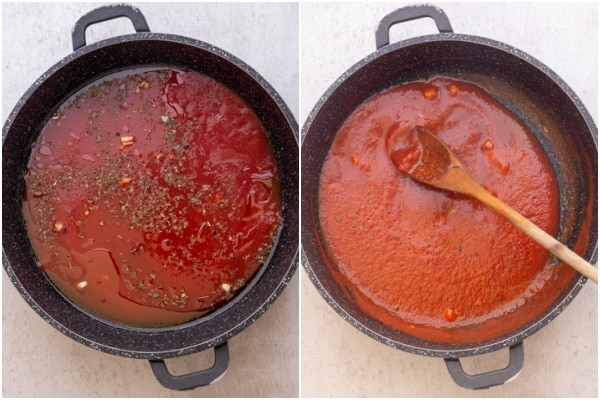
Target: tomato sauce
[152,196]
[439,265]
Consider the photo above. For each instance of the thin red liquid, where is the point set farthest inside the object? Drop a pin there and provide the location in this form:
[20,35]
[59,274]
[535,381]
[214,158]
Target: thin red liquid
[434,264]
[152,197]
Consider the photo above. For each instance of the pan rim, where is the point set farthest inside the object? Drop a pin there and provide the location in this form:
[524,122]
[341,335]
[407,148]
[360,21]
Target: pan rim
[273,284]
[309,217]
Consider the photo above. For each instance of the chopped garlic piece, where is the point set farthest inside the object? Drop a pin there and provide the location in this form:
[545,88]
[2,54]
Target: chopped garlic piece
[226,287]
[59,226]
[127,140]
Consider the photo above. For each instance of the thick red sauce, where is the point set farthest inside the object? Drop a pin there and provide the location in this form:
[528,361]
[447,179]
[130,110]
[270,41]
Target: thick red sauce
[152,196]
[439,265]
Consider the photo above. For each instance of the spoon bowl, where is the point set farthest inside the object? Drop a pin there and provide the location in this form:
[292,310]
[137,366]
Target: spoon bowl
[423,156]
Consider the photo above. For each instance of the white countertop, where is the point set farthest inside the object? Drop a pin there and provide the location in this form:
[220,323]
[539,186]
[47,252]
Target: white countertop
[561,360]
[39,361]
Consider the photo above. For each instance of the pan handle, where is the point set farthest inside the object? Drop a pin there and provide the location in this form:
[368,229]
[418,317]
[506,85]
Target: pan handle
[194,379]
[489,379]
[382,35]
[104,14]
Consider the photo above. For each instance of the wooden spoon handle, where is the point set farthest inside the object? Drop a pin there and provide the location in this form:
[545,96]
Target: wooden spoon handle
[533,231]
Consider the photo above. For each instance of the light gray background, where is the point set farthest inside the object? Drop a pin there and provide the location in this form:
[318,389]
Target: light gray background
[37,360]
[337,360]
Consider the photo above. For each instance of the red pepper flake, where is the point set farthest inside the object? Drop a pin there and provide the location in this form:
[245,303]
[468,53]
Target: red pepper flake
[430,93]
[452,89]
[487,145]
[451,315]
[125,181]
[136,248]
[504,168]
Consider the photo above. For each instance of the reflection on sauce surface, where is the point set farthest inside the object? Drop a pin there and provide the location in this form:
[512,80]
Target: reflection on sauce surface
[152,196]
[434,264]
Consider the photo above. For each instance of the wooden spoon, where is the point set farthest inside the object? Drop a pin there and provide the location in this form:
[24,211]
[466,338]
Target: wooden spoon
[427,159]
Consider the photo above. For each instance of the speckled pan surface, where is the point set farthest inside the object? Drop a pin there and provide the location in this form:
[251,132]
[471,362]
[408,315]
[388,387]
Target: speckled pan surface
[84,66]
[530,89]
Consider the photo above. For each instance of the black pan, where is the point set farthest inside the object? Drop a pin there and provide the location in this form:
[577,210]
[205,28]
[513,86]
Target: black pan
[536,94]
[86,64]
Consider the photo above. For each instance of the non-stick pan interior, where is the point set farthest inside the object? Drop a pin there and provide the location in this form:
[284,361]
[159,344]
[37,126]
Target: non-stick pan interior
[61,81]
[535,94]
